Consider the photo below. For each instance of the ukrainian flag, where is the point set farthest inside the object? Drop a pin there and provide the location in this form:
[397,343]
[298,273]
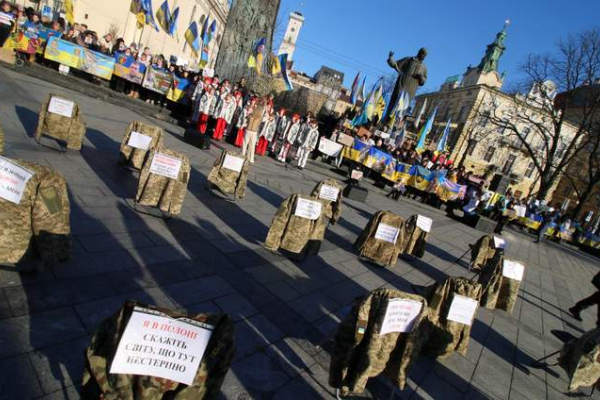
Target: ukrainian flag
[420,178]
[192,39]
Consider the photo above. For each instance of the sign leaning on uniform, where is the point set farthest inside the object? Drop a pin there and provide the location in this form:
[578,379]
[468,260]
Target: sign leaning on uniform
[61,119]
[143,352]
[163,183]
[501,280]
[34,213]
[416,230]
[139,139]
[229,174]
[382,240]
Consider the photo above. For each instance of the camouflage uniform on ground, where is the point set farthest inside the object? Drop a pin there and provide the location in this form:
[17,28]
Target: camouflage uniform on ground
[499,292]
[98,383]
[162,192]
[331,209]
[580,359]
[379,251]
[39,225]
[415,239]
[360,352]
[229,181]
[295,234]
[448,336]
[133,156]
[482,251]
[56,126]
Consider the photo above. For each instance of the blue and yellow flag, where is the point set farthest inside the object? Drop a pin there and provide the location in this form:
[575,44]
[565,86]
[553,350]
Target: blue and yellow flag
[208,32]
[354,92]
[284,72]
[442,144]
[173,22]
[69,12]
[424,131]
[192,39]
[275,65]
[148,14]
[163,16]
[256,58]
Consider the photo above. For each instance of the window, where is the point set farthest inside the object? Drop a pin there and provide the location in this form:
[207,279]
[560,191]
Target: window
[471,147]
[489,154]
[509,164]
[529,170]
[462,115]
[483,119]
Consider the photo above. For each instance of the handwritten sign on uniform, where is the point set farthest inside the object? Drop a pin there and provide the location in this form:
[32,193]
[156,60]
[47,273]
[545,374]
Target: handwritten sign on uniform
[308,209]
[329,193]
[424,223]
[154,344]
[139,141]
[165,165]
[400,315]
[387,233]
[233,163]
[513,270]
[462,310]
[499,243]
[61,107]
[13,180]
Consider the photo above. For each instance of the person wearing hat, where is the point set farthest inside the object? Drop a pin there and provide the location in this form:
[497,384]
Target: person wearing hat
[267,133]
[308,143]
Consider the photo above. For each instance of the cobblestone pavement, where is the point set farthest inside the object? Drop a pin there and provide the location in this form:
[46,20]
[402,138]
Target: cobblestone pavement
[211,259]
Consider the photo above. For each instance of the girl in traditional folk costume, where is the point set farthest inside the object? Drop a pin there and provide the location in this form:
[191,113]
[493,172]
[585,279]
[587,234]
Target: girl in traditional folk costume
[197,96]
[205,106]
[267,133]
[242,122]
[224,116]
[282,123]
[308,143]
[290,137]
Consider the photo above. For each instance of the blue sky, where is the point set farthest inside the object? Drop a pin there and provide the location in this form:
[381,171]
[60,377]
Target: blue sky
[351,34]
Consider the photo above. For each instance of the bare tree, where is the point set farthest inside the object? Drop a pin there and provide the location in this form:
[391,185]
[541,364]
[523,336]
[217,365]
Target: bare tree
[539,120]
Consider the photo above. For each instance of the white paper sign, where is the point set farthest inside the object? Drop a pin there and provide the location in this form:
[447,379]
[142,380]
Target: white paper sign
[13,180]
[356,175]
[424,223]
[499,243]
[387,233]
[155,344]
[330,148]
[462,310]
[513,270]
[233,163]
[400,315]
[329,193]
[61,107]
[521,211]
[308,209]
[165,165]
[139,141]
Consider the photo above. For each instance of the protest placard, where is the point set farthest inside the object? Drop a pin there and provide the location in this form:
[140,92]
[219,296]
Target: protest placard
[13,180]
[233,163]
[513,270]
[61,107]
[158,80]
[154,344]
[499,243]
[329,193]
[139,141]
[308,209]
[329,147]
[165,165]
[400,315]
[346,140]
[387,233]
[424,223]
[462,309]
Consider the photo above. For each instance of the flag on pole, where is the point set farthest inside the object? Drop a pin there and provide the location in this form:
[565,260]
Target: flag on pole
[69,15]
[148,13]
[135,7]
[192,39]
[442,144]
[400,137]
[284,74]
[275,65]
[207,35]
[256,57]
[173,22]
[424,131]
[163,16]
[361,92]
[354,92]
[418,119]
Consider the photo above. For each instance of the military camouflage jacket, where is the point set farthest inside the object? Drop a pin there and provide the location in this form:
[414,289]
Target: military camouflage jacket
[135,156]
[380,251]
[39,225]
[499,292]
[581,360]
[360,352]
[229,181]
[162,192]
[295,234]
[331,209]
[98,383]
[447,336]
[482,251]
[60,127]
[415,239]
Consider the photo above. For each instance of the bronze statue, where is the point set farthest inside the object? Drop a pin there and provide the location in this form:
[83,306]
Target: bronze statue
[412,73]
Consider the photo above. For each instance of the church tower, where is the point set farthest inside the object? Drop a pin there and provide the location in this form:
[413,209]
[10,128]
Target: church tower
[486,73]
[288,45]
